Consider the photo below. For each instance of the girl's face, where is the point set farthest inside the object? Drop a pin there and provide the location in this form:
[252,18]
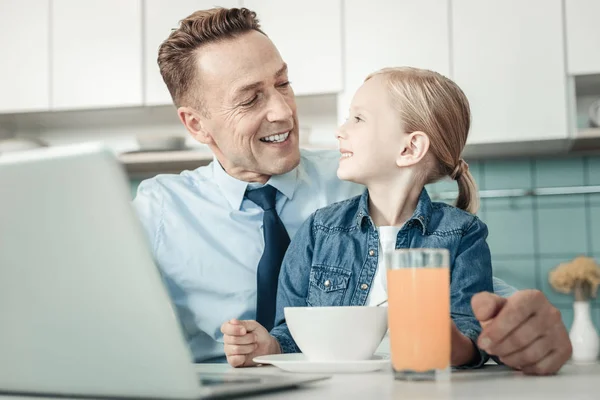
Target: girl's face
[372,138]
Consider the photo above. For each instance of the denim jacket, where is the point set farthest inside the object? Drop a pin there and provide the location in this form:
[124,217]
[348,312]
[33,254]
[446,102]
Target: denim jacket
[339,244]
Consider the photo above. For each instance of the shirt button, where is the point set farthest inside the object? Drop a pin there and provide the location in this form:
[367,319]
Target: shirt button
[364,286]
[371,253]
[327,283]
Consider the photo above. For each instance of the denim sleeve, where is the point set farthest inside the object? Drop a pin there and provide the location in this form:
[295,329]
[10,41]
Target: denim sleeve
[471,273]
[293,283]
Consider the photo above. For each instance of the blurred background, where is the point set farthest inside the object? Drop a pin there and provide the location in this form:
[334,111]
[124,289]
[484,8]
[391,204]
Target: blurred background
[85,70]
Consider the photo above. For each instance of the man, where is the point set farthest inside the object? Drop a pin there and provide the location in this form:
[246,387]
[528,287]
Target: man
[232,93]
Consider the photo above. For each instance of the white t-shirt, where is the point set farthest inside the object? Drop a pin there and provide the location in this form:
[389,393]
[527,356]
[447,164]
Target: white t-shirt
[387,241]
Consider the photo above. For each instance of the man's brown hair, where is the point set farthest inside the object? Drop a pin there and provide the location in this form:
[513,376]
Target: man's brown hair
[178,53]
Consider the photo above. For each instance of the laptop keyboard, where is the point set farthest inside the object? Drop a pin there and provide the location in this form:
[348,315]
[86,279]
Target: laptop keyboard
[227,379]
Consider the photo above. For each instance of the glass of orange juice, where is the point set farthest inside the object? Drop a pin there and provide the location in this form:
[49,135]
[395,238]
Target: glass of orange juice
[418,286]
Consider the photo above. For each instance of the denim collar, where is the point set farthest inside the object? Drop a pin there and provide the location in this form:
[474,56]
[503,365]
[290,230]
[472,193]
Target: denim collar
[234,190]
[422,214]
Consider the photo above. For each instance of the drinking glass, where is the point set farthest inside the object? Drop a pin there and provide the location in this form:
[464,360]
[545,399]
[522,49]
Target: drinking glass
[418,283]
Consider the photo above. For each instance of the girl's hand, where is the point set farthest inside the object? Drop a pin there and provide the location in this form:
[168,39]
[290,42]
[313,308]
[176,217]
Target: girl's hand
[245,340]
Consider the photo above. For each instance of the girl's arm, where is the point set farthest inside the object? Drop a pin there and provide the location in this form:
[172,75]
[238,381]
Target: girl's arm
[471,273]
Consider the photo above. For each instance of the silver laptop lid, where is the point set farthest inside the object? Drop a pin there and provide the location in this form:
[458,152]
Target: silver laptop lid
[82,305]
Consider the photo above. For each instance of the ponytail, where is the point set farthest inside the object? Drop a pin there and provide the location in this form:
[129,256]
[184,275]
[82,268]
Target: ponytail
[468,198]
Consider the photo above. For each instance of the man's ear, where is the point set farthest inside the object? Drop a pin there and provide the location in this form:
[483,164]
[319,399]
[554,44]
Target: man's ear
[415,147]
[195,123]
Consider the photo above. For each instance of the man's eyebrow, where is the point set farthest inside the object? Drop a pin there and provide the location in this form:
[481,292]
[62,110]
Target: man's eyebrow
[282,71]
[248,88]
[253,86]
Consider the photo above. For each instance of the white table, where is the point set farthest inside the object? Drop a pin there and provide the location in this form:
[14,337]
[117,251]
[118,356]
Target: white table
[491,382]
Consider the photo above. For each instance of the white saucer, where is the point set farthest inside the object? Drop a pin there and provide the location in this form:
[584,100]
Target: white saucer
[297,362]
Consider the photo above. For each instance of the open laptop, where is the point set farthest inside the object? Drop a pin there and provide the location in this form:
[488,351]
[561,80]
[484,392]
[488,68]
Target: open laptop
[83,309]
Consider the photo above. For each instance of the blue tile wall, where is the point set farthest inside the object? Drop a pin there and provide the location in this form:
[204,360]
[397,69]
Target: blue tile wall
[594,223]
[554,172]
[516,174]
[510,231]
[562,231]
[593,170]
[592,176]
[521,272]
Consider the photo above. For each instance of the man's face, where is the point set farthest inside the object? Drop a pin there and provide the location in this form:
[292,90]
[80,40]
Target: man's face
[250,119]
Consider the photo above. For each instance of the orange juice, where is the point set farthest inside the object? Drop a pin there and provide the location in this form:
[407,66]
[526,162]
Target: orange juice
[419,318]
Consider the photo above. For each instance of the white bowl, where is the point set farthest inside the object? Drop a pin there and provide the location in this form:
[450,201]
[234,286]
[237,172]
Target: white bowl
[337,333]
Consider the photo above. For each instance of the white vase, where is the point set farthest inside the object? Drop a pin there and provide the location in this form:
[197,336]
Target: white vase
[583,335]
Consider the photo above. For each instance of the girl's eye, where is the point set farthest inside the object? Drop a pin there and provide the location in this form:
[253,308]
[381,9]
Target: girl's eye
[358,119]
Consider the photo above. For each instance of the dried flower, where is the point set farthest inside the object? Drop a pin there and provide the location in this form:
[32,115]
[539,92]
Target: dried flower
[581,275]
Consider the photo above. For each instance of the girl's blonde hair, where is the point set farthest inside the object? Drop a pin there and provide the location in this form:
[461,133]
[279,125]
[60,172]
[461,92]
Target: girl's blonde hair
[431,103]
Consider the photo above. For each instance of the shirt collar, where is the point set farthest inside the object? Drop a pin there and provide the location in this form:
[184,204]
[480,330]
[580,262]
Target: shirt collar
[234,190]
[422,214]
[285,183]
[424,210]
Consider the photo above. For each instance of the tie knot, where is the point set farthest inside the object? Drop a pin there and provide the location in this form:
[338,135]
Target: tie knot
[263,197]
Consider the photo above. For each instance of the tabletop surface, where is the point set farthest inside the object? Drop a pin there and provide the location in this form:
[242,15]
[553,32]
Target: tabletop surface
[491,382]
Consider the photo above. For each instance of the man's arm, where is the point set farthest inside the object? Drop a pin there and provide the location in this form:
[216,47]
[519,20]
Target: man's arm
[149,206]
[525,331]
[502,288]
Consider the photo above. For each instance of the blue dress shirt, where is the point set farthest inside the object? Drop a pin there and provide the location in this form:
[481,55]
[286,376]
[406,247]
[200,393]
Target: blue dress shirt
[207,239]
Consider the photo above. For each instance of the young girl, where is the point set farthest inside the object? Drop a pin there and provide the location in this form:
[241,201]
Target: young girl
[407,128]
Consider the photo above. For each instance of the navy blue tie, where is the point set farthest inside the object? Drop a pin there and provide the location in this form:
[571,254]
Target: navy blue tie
[276,243]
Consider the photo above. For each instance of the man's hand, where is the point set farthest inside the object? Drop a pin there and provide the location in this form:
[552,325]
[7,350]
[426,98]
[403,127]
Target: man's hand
[463,350]
[245,340]
[525,331]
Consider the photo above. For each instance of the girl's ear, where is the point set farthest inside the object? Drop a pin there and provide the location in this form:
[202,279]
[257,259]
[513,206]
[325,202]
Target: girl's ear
[415,148]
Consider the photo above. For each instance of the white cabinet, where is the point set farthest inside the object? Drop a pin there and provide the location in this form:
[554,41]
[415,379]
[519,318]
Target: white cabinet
[24,70]
[380,34]
[583,36]
[96,53]
[160,16]
[308,34]
[509,58]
